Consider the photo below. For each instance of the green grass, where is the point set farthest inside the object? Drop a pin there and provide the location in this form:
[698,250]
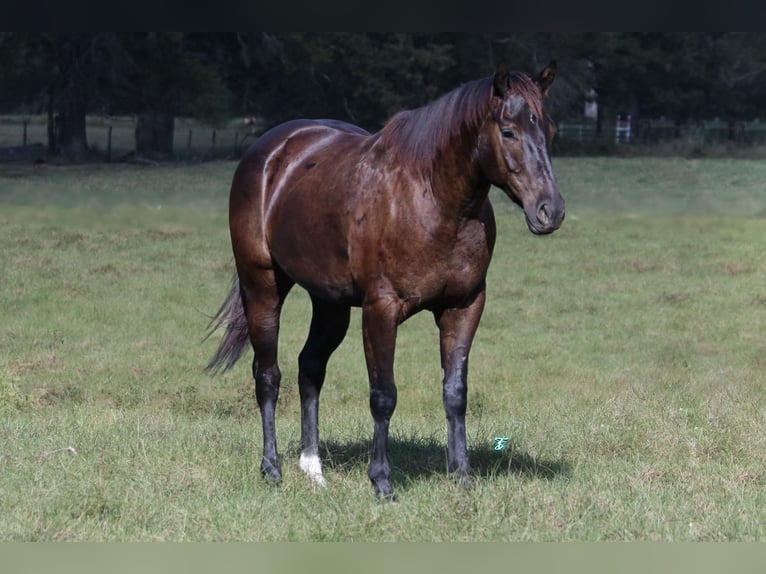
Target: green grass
[624,356]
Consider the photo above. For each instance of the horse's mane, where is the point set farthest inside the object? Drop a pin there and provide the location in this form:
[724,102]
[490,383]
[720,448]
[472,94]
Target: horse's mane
[418,135]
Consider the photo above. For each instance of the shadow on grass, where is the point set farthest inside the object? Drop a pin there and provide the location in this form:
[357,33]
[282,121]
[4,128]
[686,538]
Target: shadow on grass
[416,459]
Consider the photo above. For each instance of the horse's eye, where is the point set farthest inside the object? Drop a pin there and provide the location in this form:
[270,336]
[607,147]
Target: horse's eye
[509,134]
[532,119]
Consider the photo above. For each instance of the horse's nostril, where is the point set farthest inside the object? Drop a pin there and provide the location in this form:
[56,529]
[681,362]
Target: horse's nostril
[542,214]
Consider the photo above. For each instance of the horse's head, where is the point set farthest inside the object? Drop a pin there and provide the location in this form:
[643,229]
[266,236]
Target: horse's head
[514,146]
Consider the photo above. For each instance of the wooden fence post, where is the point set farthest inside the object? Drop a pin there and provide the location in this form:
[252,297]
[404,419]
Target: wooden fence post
[109,144]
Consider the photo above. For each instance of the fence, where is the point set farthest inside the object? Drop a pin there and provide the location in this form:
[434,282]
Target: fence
[656,131]
[113,138]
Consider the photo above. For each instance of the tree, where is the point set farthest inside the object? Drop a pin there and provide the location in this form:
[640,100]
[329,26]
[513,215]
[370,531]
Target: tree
[354,76]
[153,75]
[690,75]
[361,77]
[169,74]
[737,74]
[68,72]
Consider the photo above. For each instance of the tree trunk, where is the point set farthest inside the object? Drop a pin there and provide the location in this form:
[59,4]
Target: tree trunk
[154,135]
[71,140]
[71,137]
[51,121]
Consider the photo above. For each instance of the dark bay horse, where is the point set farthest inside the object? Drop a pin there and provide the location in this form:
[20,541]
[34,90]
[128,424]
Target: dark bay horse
[394,222]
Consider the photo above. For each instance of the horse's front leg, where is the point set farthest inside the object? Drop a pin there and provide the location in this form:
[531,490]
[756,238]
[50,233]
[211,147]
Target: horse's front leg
[457,327]
[380,320]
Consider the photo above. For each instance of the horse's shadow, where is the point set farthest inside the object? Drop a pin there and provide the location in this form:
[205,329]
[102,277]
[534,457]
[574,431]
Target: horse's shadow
[413,460]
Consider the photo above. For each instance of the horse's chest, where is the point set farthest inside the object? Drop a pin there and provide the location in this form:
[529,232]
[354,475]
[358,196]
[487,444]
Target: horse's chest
[450,267]
[412,255]
[465,265]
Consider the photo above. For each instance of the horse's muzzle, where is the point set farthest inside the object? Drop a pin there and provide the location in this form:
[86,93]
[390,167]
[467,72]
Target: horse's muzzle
[547,216]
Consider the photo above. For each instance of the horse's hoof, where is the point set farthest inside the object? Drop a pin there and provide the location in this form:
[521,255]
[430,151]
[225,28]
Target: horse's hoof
[384,492]
[387,498]
[465,480]
[271,472]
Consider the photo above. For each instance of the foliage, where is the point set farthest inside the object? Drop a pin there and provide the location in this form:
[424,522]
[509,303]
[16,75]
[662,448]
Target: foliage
[681,75]
[364,77]
[360,77]
[68,71]
[175,73]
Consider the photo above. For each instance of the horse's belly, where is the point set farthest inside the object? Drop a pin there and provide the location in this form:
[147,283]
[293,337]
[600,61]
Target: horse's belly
[323,281]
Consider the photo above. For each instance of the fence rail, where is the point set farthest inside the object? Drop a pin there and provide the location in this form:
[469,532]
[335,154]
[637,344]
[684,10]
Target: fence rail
[113,137]
[656,131]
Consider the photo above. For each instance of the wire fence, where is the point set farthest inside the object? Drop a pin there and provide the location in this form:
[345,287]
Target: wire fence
[112,138]
[624,130]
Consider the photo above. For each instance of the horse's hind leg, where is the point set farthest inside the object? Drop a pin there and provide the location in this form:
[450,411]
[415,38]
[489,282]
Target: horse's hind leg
[264,292]
[329,324]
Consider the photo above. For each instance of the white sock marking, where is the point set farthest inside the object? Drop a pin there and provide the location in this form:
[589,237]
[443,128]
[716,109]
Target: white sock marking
[312,466]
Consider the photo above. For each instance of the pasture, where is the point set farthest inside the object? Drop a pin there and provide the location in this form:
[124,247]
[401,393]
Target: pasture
[624,357]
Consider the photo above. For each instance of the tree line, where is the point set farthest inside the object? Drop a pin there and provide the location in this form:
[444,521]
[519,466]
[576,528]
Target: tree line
[361,77]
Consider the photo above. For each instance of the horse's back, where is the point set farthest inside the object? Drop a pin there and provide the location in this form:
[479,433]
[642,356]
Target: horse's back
[306,129]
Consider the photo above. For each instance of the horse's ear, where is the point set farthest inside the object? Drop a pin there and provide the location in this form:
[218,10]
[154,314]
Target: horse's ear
[501,81]
[545,78]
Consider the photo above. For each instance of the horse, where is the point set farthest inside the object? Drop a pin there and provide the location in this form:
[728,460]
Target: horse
[395,222]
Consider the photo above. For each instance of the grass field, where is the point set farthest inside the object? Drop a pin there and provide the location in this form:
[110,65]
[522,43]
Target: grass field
[624,356]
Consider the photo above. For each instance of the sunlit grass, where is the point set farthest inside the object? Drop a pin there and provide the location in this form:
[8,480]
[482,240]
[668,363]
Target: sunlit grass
[623,356]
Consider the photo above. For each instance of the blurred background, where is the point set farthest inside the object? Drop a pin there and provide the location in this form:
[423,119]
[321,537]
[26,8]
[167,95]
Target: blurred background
[157,96]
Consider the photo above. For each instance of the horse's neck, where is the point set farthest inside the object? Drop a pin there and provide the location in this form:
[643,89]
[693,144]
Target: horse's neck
[457,181]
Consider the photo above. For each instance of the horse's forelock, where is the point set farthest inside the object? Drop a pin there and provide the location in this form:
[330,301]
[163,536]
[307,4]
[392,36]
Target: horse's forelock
[524,86]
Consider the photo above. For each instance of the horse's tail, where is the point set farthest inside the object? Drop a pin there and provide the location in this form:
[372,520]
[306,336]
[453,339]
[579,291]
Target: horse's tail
[231,314]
